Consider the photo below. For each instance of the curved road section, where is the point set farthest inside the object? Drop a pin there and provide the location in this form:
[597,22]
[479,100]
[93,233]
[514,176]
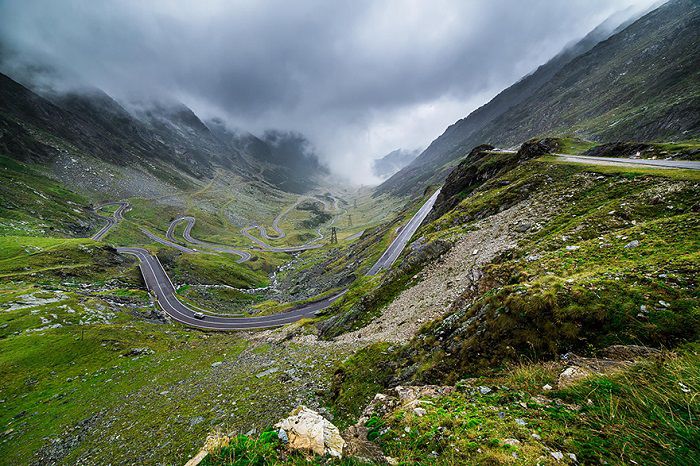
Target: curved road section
[159,283]
[187,234]
[687,164]
[113,220]
[396,247]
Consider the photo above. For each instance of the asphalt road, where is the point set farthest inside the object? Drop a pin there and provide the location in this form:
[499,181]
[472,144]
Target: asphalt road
[160,285]
[168,243]
[187,234]
[399,243]
[158,282]
[281,234]
[687,164]
[113,220]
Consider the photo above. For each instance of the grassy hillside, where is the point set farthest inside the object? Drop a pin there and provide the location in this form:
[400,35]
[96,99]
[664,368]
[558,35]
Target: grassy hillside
[601,256]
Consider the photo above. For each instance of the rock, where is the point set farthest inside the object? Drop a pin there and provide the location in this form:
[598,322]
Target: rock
[213,444]
[546,387]
[196,420]
[419,412]
[216,364]
[484,390]
[282,435]
[309,431]
[400,396]
[520,422]
[523,226]
[536,437]
[571,375]
[627,352]
[512,442]
[572,248]
[138,352]
[632,244]
[272,370]
[557,455]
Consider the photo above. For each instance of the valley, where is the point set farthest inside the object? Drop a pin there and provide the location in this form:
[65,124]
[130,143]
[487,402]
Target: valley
[178,289]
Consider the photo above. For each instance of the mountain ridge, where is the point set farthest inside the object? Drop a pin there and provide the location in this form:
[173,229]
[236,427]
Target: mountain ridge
[513,126]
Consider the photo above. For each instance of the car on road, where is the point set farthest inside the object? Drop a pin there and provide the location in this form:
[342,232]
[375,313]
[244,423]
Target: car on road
[198,315]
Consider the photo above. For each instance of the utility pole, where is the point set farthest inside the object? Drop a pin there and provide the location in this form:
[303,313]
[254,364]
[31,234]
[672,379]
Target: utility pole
[334,236]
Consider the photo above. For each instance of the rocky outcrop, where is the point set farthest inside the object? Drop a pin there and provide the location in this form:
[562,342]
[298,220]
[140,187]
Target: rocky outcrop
[610,360]
[538,147]
[308,431]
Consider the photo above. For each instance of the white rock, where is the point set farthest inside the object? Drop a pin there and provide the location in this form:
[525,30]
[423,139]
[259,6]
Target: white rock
[419,412]
[307,430]
[546,387]
[571,375]
[557,455]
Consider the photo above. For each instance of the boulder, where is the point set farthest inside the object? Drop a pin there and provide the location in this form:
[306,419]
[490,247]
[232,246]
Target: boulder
[308,431]
[571,375]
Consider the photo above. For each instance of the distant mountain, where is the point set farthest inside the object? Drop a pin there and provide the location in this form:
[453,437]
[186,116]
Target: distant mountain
[392,162]
[637,81]
[167,140]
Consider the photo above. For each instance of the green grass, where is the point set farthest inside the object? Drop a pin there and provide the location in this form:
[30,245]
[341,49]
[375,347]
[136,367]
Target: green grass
[645,414]
[574,145]
[640,415]
[33,205]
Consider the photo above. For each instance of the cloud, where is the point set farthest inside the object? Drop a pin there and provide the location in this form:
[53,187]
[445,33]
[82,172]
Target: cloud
[359,78]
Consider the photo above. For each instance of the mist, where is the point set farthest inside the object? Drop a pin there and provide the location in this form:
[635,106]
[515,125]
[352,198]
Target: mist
[357,78]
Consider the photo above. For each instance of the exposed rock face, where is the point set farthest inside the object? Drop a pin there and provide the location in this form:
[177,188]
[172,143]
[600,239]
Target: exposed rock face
[308,431]
[537,147]
[612,359]
[465,177]
[384,403]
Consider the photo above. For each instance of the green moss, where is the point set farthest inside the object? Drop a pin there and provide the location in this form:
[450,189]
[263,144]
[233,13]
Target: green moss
[358,379]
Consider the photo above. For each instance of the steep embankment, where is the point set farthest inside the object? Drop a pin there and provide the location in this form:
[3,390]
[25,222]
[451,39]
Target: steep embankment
[639,84]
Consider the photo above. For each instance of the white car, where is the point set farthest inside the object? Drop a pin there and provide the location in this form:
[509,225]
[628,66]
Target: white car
[198,315]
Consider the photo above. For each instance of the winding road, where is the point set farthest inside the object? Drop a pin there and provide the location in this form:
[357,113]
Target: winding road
[158,282]
[281,234]
[187,234]
[113,220]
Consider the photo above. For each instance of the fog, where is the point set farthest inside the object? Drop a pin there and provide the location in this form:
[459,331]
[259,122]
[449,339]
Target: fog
[359,78]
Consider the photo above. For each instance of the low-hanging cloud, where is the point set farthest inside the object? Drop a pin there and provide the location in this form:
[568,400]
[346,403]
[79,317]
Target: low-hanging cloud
[359,78]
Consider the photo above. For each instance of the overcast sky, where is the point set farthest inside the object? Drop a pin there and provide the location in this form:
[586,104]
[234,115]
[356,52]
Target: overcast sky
[358,78]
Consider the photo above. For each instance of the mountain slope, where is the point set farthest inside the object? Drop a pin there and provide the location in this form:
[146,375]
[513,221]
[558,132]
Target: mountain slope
[640,83]
[393,162]
[165,141]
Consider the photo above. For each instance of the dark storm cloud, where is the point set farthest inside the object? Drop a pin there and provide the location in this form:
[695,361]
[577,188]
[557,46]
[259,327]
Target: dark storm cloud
[358,77]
